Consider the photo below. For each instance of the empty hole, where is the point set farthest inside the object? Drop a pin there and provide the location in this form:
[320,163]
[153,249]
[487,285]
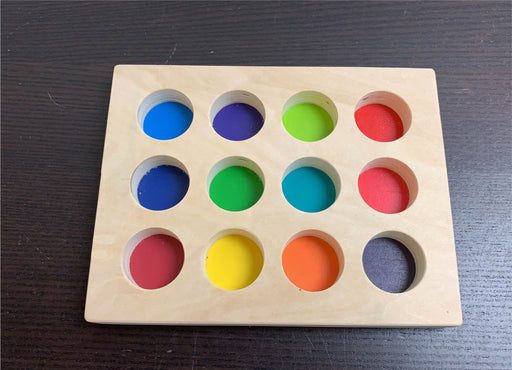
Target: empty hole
[309,116]
[310,185]
[389,265]
[382,116]
[387,185]
[237,115]
[165,114]
[235,184]
[312,261]
[160,183]
[153,258]
[234,260]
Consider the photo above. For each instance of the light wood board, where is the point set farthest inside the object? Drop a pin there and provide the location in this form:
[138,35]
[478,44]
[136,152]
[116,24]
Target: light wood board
[425,227]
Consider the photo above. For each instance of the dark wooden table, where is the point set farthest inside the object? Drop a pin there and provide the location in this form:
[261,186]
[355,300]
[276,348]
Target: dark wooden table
[57,61]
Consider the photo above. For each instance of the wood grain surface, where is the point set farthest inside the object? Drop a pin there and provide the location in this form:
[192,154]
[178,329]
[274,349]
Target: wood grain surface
[425,227]
[57,62]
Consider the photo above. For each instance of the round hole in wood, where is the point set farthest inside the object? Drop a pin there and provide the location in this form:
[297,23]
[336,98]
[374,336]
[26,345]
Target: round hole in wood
[235,183]
[159,183]
[382,116]
[153,258]
[311,184]
[394,262]
[309,116]
[165,114]
[237,115]
[234,260]
[388,185]
[312,260]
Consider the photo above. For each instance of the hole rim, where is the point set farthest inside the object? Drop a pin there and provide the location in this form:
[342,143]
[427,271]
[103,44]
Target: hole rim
[147,165]
[158,97]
